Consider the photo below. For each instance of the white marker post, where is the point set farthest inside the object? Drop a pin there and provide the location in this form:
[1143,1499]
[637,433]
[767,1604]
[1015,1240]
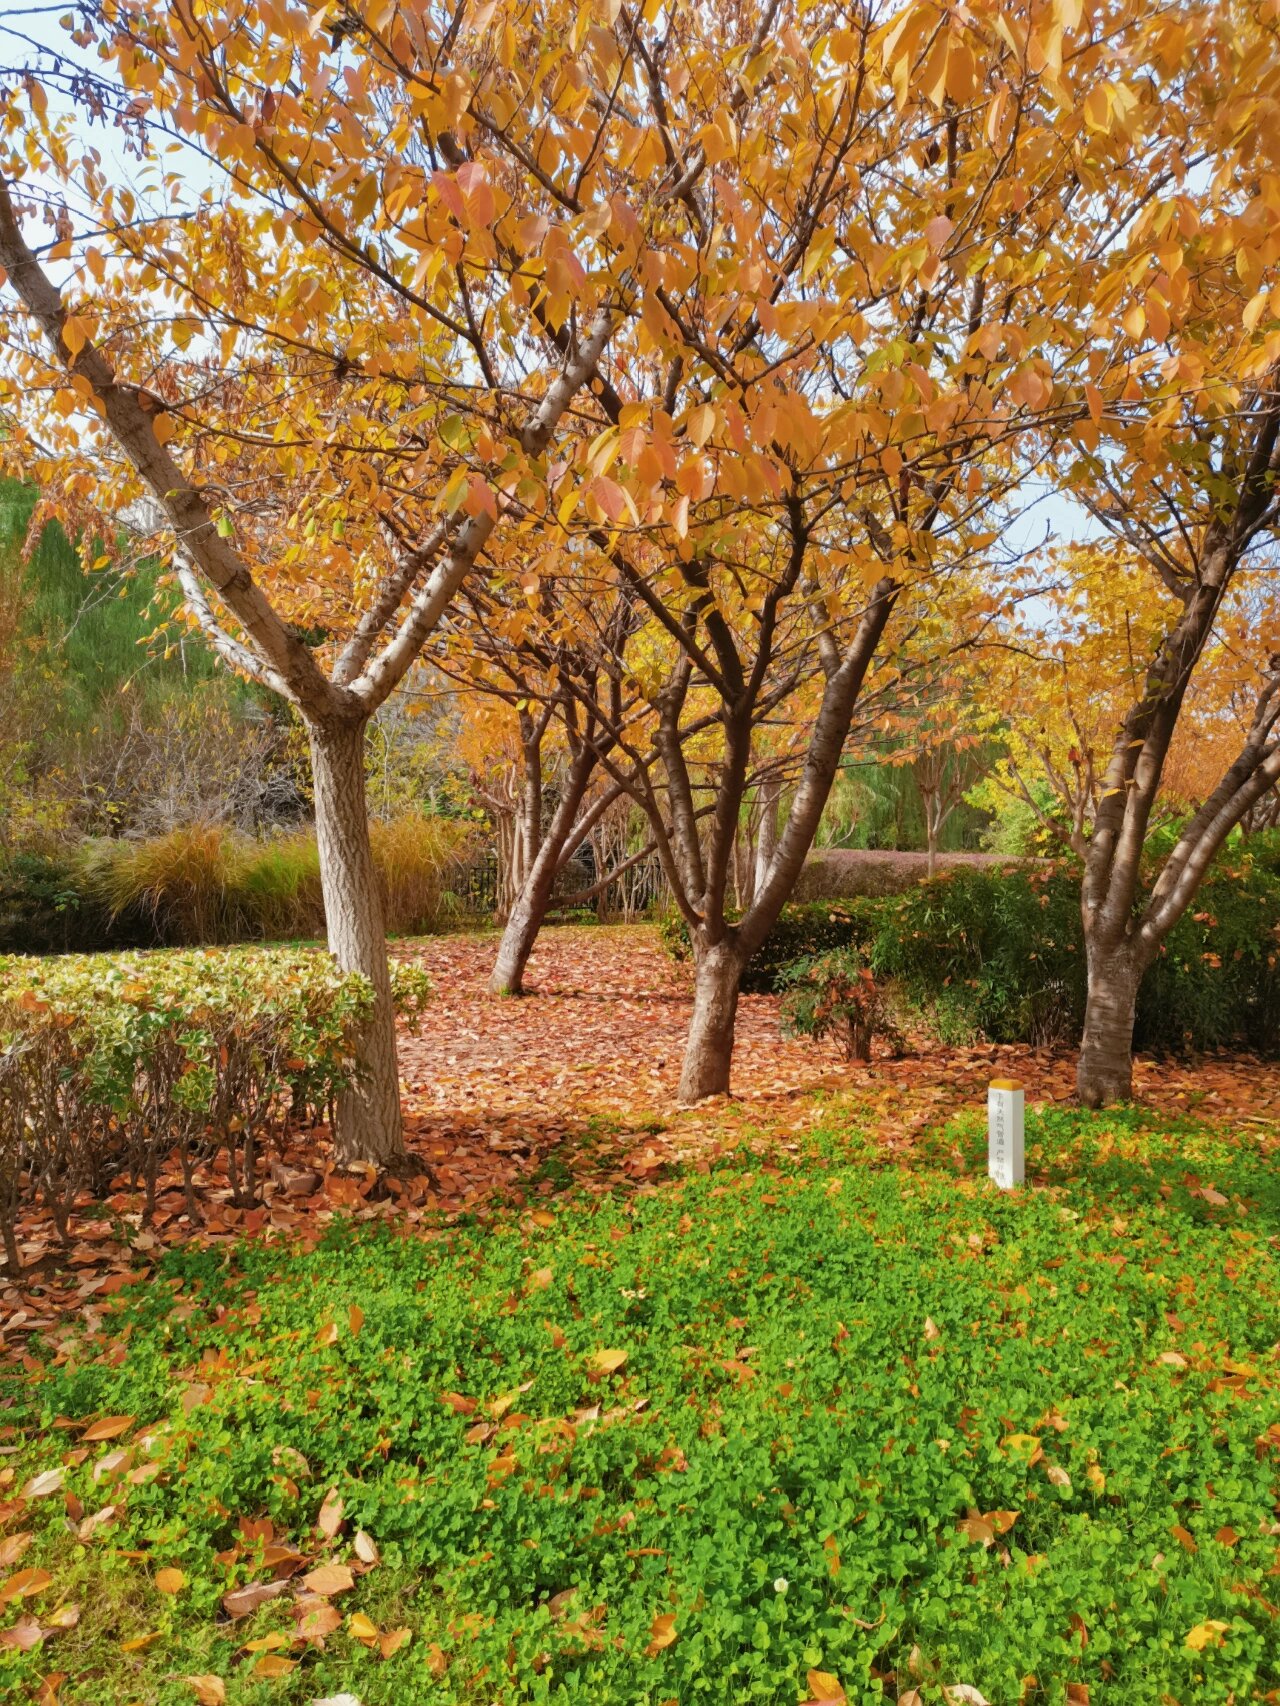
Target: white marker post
[1006,1107]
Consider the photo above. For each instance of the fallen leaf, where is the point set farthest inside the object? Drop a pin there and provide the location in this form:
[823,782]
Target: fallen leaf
[963,1694]
[437,1663]
[366,1548]
[1226,1536]
[978,1529]
[13,1548]
[49,1686]
[1058,1475]
[329,1579]
[40,1486]
[25,1634]
[329,1521]
[931,1328]
[1207,1634]
[317,1620]
[1077,1694]
[1184,1538]
[362,1629]
[355,1319]
[239,1602]
[170,1581]
[824,1686]
[24,1584]
[65,1617]
[661,1634]
[608,1362]
[393,1640]
[92,1524]
[273,1664]
[140,1643]
[110,1427]
[209,1690]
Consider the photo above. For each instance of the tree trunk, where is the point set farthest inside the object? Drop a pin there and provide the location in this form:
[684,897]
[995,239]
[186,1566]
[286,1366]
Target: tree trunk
[1104,1071]
[529,908]
[767,837]
[369,1125]
[709,1047]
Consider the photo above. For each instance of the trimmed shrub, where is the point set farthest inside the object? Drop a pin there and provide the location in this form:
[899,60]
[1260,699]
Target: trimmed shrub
[112,1064]
[836,995]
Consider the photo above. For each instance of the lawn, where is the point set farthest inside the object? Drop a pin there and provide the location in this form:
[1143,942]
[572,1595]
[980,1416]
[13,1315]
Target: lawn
[798,1421]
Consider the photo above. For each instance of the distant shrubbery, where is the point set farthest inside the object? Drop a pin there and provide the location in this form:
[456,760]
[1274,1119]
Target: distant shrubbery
[999,953]
[114,1064]
[210,885]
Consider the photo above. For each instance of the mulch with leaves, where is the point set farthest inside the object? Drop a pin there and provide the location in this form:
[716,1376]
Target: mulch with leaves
[774,1400]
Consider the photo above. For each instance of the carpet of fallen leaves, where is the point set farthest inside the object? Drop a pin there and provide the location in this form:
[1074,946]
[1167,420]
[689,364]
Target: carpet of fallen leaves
[507,1099]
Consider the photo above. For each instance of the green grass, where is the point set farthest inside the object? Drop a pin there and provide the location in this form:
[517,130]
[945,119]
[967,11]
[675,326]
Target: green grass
[829,1365]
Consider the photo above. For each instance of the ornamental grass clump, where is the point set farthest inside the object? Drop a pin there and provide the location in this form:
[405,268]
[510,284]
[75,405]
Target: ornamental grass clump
[111,1065]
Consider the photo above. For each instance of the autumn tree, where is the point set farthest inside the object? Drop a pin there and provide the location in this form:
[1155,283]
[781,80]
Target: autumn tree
[838,371]
[313,318]
[1183,472]
[541,662]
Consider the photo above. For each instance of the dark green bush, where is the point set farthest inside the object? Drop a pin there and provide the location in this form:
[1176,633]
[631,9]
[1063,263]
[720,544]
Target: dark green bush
[44,909]
[837,995]
[989,953]
[999,954]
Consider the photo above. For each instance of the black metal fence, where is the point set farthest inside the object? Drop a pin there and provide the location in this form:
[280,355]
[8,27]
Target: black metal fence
[639,891]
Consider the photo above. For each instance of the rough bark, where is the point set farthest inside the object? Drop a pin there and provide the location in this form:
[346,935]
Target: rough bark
[1104,1071]
[708,1054]
[369,1127]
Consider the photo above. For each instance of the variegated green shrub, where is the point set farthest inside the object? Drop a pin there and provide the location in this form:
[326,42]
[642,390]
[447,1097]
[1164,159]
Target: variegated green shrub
[111,1065]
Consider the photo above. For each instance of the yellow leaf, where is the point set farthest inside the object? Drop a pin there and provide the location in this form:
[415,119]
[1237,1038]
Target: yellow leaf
[170,1581]
[702,422]
[273,1664]
[661,1634]
[608,1362]
[329,1579]
[139,1643]
[209,1690]
[824,1686]
[1207,1634]
[362,1628]
[110,1427]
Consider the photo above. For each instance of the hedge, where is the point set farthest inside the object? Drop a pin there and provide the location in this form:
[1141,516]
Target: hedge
[999,954]
[112,1064]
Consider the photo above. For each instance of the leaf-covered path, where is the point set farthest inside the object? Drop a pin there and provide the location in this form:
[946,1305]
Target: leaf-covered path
[599,1037]
[508,1099]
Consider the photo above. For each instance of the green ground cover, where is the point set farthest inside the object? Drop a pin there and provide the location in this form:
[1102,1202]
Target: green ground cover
[805,1413]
